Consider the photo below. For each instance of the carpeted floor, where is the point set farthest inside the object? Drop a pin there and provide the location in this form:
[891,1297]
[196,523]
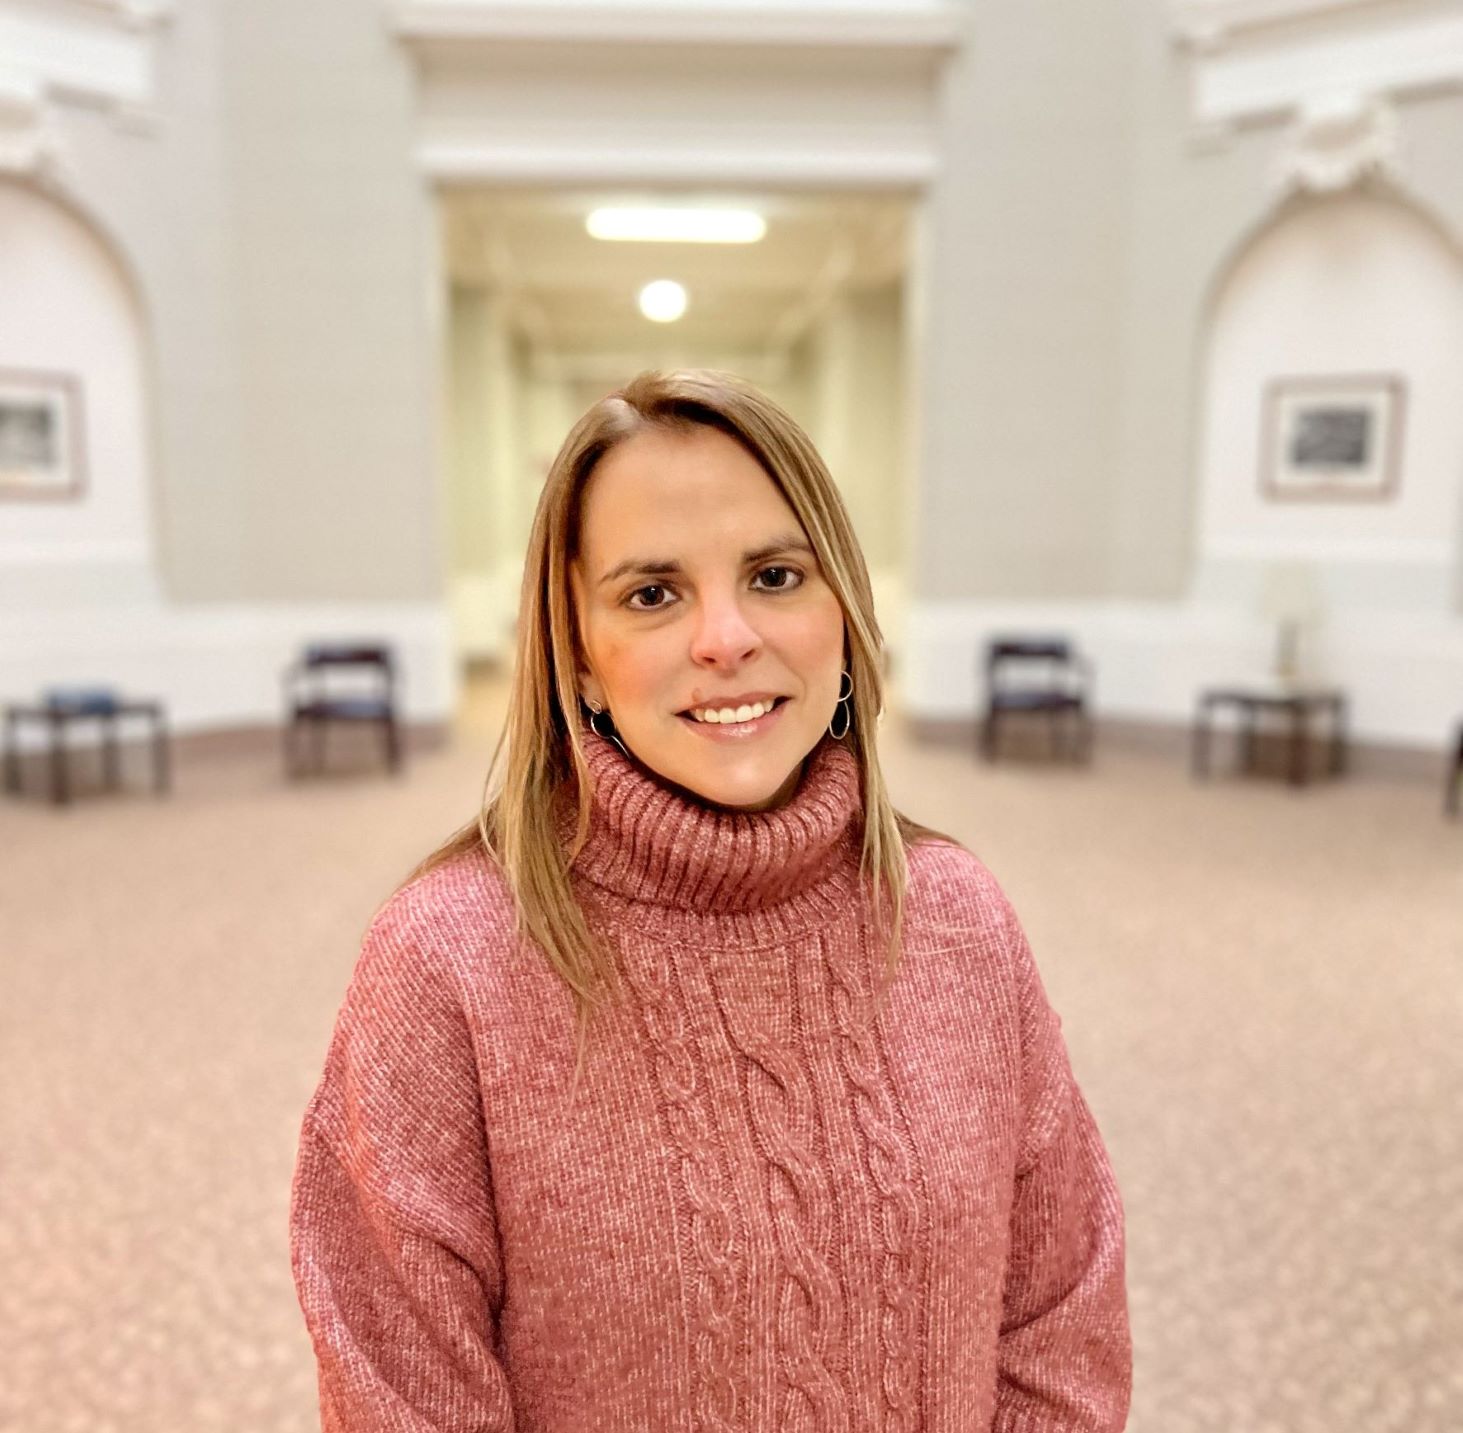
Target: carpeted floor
[1262,991]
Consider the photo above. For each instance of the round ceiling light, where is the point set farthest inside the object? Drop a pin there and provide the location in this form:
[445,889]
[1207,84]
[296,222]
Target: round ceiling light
[663,301]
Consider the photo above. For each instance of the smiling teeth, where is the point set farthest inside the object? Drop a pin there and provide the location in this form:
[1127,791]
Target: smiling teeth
[732,714]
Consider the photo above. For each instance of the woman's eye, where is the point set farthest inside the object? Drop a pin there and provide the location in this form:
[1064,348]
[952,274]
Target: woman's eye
[645,606]
[789,578]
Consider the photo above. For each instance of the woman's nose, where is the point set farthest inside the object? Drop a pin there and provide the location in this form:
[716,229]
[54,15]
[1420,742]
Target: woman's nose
[723,635]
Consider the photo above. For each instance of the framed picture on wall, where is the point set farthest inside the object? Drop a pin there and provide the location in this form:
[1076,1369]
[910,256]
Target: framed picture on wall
[1332,439]
[41,452]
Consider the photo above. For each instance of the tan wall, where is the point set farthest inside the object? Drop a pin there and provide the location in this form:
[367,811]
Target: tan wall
[335,258]
[1026,234]
[282,251]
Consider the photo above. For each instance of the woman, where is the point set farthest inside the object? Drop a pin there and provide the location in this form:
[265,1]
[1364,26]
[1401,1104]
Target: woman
[693,1086]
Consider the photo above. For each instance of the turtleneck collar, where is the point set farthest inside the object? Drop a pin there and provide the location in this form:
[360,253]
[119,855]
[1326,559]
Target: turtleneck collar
[650,843]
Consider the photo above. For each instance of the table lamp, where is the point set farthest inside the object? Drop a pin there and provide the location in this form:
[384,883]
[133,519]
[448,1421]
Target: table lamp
[1290,597]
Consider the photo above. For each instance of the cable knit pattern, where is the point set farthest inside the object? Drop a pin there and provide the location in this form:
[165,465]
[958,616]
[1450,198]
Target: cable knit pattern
[809,1325]
[890,1163]
[772,1196]
[718,1276]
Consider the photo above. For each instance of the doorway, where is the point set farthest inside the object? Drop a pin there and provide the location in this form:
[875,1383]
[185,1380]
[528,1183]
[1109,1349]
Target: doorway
[543,318]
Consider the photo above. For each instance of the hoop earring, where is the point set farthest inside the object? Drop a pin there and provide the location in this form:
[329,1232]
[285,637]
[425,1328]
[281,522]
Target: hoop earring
[603,726]
[844,709]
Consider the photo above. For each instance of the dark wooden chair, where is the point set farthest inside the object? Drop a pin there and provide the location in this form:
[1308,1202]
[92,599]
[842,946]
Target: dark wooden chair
[1038,676]
[354,683]
[63,710]
[1455,777]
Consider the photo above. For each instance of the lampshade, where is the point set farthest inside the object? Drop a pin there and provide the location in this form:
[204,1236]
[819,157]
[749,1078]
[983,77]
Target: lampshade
[1290,592]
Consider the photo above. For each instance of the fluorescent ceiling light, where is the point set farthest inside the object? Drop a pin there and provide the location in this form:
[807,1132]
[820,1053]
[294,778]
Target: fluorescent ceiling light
[663,301]
[678,226]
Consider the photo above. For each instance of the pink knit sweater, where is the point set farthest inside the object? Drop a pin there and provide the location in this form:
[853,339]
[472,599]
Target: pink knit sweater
[770,1201]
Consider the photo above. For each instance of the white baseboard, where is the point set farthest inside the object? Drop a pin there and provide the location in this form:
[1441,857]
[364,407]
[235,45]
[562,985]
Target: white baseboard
[220,665]
[1403,673]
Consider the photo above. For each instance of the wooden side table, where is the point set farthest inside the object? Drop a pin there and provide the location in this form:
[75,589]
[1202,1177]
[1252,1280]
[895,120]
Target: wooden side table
[1297,707]
[59,717]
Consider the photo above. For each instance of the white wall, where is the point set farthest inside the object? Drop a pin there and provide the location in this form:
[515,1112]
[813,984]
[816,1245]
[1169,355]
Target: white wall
[66,307]
[1357,284]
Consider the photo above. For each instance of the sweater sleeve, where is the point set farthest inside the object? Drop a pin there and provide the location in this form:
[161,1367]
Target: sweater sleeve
[394,1244]
[1065,1354]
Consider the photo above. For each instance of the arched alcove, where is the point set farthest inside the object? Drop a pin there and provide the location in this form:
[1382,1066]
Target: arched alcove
[1364,288]
[70,325]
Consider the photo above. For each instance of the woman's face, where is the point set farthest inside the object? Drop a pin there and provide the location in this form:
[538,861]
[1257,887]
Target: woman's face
[695,588]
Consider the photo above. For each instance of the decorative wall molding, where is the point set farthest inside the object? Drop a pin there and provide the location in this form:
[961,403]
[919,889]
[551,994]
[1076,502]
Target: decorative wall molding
[854,103]
[95,53]
[130,14]
[1336,142]
[1279,80]
[934,26]
[29,144]
[1209,25]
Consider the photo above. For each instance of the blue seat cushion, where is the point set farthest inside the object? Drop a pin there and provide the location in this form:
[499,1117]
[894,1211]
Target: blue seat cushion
[1033,700]
[83,701]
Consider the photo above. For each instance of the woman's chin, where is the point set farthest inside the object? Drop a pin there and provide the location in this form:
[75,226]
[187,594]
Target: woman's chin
[746,790]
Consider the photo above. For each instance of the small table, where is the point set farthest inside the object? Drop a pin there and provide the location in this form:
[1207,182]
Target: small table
[1297,706]
[59,717]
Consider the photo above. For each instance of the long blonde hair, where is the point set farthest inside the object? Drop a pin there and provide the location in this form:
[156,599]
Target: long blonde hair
[539,749]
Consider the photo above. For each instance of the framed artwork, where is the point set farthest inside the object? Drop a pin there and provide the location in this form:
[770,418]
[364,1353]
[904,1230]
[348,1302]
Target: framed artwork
[41,451]
[1332,439]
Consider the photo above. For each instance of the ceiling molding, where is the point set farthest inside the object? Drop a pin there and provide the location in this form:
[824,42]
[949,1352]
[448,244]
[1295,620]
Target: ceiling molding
[936,27]
[554,365]
[1210,24]
[616,163]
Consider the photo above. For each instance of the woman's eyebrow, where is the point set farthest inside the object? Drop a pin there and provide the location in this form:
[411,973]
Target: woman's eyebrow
[788,542]
[643,567]
[669,567]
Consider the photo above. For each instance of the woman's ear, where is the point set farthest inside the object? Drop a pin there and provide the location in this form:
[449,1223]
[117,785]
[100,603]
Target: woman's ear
[584,679]
[589,687]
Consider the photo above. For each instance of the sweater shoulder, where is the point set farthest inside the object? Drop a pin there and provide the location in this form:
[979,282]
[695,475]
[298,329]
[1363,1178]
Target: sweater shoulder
[950,885]
[444,924]
[466,889]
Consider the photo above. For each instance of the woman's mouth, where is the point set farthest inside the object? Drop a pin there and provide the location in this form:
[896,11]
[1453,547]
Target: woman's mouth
[735,723]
